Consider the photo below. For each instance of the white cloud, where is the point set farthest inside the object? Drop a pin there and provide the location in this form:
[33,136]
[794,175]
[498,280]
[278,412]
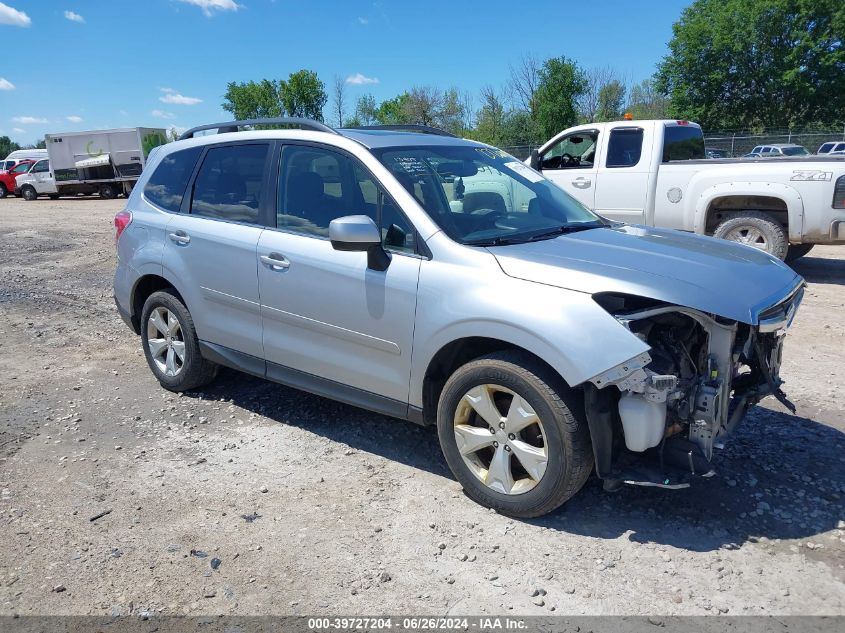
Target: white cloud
[174,98]
[18,130]
[74,119]
[167,90]
[210,6]
[28,120]
[362,20]
[11,16]
[74,17]
[161,114]
[361,80]
[5,84]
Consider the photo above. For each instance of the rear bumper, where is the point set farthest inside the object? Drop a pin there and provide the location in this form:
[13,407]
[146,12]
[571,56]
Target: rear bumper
[124,314]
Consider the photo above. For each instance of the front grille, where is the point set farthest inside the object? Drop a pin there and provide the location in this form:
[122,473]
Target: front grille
[839,193]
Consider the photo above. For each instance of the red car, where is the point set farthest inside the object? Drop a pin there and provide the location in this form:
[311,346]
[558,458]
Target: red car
[7,178]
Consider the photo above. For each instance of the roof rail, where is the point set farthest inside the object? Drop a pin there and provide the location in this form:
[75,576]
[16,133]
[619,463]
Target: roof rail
[232,126]
[422,129]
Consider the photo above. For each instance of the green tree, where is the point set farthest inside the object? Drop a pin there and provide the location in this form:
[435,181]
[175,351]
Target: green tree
[647,102]
[393,111]
[303,95]
[253,100]
[490,118]
[366,110]
[7,146]
[561,83]
[611,101]
[755,63]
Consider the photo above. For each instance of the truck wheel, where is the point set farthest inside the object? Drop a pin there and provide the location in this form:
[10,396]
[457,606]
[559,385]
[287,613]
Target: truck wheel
[28,192]
[756,229]
[109,192]
[514,435]
[796,251]
[170,344]
[3,191]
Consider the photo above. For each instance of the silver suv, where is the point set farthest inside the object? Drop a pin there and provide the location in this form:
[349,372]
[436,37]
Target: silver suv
[443,281]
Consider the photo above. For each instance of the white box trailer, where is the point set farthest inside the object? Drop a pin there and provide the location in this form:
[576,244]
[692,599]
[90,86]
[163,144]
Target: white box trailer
[104,161]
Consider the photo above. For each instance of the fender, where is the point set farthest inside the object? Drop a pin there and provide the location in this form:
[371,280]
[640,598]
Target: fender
[789,195]
[156,270]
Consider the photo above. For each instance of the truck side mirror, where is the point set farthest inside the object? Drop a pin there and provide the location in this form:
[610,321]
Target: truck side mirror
[535,160]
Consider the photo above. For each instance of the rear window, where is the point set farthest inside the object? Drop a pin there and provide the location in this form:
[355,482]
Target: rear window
[682,142]
[229,183]
[166,187]
[625,147]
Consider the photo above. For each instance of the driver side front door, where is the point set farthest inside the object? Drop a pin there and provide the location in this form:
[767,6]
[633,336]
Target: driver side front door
[571,165]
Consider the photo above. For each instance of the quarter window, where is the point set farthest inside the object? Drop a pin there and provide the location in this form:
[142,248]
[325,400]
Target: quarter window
[318,186]
[625,147]
[228,185]
[166,187]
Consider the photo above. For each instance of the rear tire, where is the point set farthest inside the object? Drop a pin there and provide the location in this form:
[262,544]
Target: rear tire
[28,193]
[756,229]
[108,192]
[545,462]
[797,251]
[166,329]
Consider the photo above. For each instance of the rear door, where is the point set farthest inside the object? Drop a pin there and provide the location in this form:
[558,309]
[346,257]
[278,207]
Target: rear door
[622,181]
[210,247]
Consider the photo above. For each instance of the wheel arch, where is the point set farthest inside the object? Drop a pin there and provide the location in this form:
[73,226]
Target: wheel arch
[457,352]
[782,202]
[145,286]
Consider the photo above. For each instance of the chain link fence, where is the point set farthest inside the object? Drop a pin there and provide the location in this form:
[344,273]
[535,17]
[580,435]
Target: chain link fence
[739,142]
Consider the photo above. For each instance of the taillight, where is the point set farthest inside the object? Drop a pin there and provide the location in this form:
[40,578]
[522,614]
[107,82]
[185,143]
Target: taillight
[839,193]
[121,221]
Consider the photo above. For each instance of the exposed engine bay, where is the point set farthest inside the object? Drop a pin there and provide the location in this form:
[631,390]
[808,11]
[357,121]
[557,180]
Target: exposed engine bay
[656,419]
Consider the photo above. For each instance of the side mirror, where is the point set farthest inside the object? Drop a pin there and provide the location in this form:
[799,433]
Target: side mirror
[535,160]
[359,233]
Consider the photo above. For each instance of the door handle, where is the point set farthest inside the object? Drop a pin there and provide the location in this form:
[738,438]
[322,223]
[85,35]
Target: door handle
[582,183]
[275,261]
[180,237]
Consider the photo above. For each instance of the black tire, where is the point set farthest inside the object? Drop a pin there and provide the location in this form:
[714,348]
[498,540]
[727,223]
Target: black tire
[561,410]
[28,193]
[773,237]
[108,192]
[3,191]
[195,371]
[797,251]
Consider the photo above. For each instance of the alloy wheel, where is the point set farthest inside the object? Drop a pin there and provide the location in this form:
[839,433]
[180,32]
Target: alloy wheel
[501,439]
[750,236]
[165,341]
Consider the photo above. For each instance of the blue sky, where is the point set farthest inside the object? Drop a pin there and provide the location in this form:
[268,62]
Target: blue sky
[88,64]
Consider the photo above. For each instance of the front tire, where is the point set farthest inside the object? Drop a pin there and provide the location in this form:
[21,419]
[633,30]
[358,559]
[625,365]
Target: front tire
[514,435]
[28,193]
[3,191]
[170,344]
[756,229]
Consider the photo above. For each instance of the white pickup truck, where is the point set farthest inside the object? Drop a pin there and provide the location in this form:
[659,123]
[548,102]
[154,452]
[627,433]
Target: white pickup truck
[655,173]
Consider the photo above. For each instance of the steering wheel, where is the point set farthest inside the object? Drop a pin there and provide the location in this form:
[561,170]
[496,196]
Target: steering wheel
[570,159]
[487,217]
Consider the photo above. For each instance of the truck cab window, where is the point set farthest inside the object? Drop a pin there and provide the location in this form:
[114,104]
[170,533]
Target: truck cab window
[576,151]
[625,147]
[41,166]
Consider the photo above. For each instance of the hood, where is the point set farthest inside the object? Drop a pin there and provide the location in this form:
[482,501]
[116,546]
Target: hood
[702,273]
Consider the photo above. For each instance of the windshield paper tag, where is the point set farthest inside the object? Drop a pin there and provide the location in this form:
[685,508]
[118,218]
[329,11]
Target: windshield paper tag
[525,171]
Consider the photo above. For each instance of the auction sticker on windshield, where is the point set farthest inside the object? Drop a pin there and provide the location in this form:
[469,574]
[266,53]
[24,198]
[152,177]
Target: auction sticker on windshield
[525,171]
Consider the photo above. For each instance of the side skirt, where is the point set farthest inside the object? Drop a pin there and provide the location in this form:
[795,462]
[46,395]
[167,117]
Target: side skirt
[309,382]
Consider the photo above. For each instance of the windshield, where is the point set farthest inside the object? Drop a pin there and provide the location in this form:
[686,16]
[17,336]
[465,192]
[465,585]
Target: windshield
[794,151]
[483,196]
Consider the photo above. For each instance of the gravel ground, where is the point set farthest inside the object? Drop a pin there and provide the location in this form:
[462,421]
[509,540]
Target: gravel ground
[118,497]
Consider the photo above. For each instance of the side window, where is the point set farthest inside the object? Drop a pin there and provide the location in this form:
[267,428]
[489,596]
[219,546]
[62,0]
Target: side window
[576,151]
[318,185]
[22,168]
[41,166]
[624,147]
[228,184]
[166,187]
[683,142]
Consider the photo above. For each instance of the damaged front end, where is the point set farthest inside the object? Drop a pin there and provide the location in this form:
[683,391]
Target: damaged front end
[655,419]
